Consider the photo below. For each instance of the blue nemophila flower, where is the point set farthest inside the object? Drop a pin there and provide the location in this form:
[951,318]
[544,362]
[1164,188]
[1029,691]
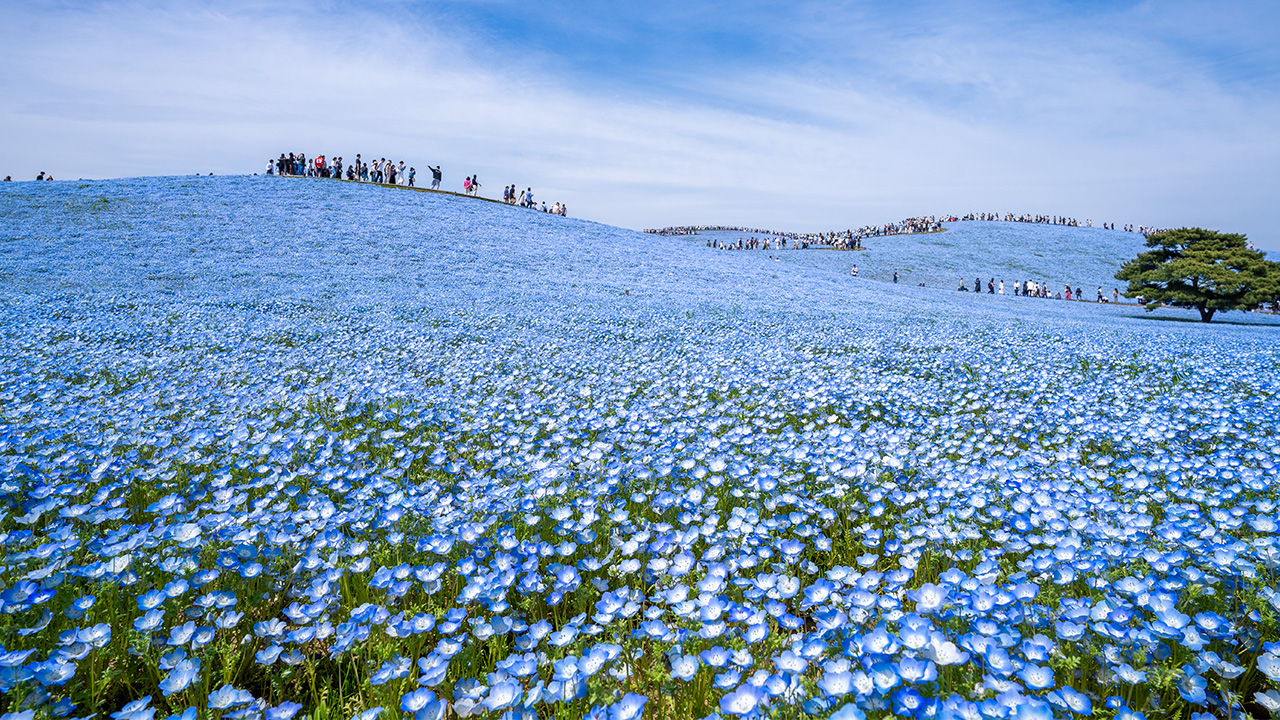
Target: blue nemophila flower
[1192,688]
[268,655]
[1076,702]
[836,684]
[1036,677]
[182,634]
[716,657]
[1269,665]
[1269,700]
[80,606]
[14,658]
[139,709]
[228,697]
[928,597]
[727,680]
[423,705]
[176,588]
[180,677]
[54,672]
[630,707]
[149,621]
[502,695]
[884,676]
[789,662]
[917,671]
[684,667]
[284,711]
[742,701]
[433,667]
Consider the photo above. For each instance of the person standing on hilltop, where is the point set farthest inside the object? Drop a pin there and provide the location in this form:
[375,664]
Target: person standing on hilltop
[412,174]
[436,175]
[475,185]
[400,173]
[466,186]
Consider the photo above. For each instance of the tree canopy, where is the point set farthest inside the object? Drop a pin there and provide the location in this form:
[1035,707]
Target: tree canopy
[1203,269]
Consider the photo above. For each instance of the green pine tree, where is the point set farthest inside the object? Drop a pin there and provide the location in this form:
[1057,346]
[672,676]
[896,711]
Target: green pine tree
[1203,269]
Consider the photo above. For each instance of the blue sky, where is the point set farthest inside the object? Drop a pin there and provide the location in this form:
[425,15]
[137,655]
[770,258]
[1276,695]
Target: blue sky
[795,115]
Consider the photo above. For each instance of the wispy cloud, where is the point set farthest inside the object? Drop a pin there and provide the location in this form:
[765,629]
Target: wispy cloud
[813,116]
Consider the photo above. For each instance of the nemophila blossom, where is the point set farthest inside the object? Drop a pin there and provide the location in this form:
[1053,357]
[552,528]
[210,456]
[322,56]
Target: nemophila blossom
[228,697]
[1036,677]
[180,677]
[135,710]
[268,655]
[1269,699]
[1192,688]
[727,679]
[284,711]
[916,671]
[836,684]
[630,707]
[928,598]
[1269,665]
[741,702]
[54,672]
[684,667]
[1076,702]
[149,621]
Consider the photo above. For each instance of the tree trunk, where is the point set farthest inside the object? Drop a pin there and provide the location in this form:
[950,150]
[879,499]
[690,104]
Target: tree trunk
[1206,313]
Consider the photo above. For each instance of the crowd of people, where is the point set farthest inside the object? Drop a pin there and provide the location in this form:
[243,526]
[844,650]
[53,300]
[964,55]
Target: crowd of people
[1029,218]
[388,172]
[1052,220]
[852,239]
[524,199]
[839,239]
[1034,289]
[381,171]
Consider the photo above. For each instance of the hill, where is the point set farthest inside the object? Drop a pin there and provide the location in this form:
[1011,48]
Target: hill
[324,448]
[1009,251]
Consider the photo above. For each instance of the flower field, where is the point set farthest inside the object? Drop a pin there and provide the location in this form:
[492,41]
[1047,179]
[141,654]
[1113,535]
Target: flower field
[288,448]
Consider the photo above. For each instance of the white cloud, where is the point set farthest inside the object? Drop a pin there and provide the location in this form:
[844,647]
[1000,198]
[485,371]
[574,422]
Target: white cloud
[942,120]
